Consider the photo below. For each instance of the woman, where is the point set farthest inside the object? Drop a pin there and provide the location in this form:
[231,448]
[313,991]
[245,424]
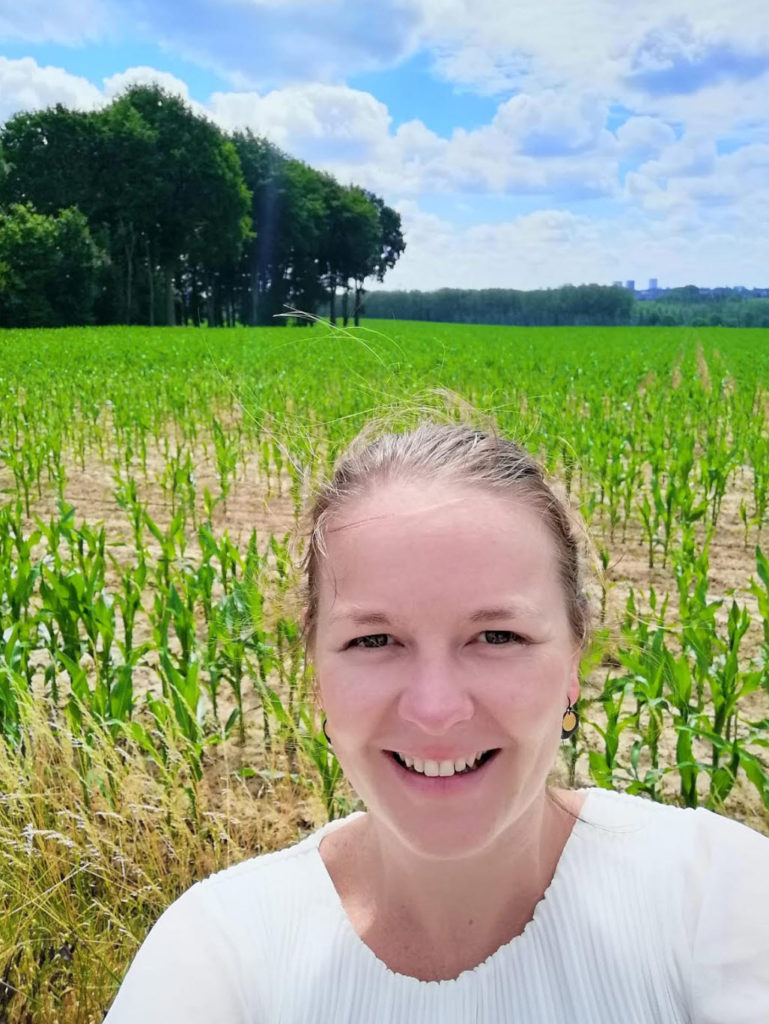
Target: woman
[446,618]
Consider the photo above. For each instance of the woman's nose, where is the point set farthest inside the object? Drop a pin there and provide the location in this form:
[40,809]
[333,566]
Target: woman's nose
[434,697]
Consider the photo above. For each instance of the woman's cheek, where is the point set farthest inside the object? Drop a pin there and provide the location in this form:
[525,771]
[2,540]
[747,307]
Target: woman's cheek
[351,685]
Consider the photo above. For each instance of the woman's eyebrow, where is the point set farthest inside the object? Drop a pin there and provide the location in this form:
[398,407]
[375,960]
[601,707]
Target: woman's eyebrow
[508,611]
[365,617]
[361,617]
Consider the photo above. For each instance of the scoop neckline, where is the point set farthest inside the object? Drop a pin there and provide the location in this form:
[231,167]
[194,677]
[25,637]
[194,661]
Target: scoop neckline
[540,914]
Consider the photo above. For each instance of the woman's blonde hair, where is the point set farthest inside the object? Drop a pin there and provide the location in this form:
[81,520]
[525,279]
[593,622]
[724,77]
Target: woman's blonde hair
[455,454]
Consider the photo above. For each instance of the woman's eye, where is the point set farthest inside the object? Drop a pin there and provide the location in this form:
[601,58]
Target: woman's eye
[501,636]
[372,640]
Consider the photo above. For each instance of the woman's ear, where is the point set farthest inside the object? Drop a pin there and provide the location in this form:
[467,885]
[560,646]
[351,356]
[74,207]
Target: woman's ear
[574,682]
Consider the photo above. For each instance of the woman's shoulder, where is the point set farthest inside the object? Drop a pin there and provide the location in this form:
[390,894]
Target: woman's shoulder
[622,814]
[684,891]
[268,872]
[213,953]
[695,847]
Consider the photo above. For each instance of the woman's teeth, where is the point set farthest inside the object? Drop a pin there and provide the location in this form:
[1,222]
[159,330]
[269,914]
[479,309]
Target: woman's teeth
[442,768]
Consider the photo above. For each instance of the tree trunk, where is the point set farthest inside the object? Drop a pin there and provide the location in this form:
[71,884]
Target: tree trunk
[170,304]
[359,293]
[253,318]
[332,302]
[346,304]
[211,303]
[151,282]
[129,246]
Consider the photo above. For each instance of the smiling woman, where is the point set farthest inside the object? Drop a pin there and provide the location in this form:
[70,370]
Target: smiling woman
[446,617]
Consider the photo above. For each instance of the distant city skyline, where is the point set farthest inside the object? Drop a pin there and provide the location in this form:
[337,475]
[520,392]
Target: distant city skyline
[522,146]
[654,286]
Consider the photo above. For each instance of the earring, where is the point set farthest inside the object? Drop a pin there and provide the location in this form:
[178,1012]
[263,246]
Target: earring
[328,738]
[570,722]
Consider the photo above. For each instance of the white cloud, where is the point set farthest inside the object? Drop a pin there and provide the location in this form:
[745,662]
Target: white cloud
[322,122]
[705,191]
[24,85]
[548,144]
[644,137]
[549,248]
[143,75]
[545,248]
[726,107]
[551,123]
[699,65]
[69,22]
[690,157]
[593,43]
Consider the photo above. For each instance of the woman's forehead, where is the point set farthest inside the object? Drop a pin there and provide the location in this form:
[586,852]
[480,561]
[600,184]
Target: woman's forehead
[436,538]
[413,505]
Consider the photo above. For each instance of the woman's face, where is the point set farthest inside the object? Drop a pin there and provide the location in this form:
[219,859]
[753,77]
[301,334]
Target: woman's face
[442,633]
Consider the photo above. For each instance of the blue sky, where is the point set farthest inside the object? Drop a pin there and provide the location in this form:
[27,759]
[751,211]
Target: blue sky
[524,145]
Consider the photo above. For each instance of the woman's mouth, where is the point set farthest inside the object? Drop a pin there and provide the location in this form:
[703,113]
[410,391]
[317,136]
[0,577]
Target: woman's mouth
[444,769]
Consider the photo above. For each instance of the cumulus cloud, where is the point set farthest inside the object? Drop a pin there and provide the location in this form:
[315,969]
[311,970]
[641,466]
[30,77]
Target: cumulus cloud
[322,122]
[644,137]
[596,41]
[551,123]
[551,247]
[687,158]
[25,85]
[674,57]
[542,249]
[707,228]
[546,144]
[145,76]
[697,63]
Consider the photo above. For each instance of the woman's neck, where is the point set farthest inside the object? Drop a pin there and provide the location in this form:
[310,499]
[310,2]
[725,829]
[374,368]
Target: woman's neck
[431,918]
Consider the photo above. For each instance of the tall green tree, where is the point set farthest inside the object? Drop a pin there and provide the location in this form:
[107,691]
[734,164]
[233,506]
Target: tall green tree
[49,268]
[51,159]
[388,248]
[201,202]
[194,221]
[281,264]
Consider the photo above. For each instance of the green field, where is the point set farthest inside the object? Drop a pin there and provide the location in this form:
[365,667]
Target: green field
[156,710]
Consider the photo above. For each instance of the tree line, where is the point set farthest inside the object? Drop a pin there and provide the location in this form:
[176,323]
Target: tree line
[572,304]
[594,304]
[146,212]
[719,307]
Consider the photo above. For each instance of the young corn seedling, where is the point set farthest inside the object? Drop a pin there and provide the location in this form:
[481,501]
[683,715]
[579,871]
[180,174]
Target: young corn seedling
[227,457]
[304,735]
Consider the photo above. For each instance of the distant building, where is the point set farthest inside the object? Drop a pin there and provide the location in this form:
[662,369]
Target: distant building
[617,284]
[653,284]
[630,285]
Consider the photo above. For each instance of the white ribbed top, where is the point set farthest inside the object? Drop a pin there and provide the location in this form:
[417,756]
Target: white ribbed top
[655,914]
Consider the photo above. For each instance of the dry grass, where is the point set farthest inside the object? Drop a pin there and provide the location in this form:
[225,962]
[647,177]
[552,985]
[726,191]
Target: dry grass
[96,841]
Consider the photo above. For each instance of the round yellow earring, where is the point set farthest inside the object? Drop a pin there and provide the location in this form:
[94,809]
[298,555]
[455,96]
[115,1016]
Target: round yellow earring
[570,723]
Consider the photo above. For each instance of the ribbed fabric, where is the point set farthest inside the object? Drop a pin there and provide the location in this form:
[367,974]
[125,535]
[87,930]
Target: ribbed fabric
[655,914]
